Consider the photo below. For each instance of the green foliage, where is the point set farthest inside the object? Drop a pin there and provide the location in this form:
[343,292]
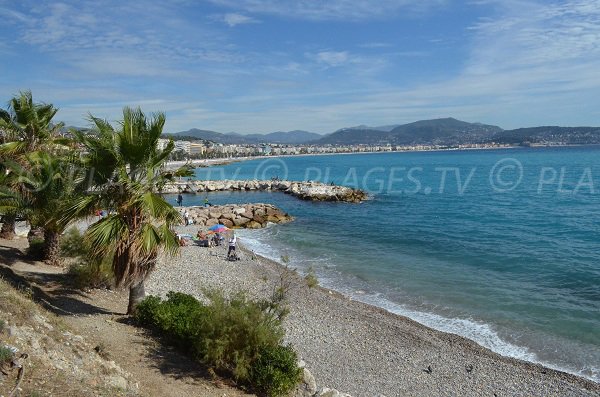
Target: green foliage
[72,244]
[92,273]
[311,278]
[276,371]
[6,354]
[2,325]
[88,271]
[234,335]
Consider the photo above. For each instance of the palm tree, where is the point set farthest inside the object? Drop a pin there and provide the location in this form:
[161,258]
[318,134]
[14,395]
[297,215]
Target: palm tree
[125,170]
[25,127]
[41,189]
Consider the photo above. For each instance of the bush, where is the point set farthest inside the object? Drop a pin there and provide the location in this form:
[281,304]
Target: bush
[235,336]
[72,244]
[92,273]
[276,371]
[311,278]
[6,355]
[87,271]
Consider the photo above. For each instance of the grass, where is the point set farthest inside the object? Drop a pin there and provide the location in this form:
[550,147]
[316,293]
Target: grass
[311,278]
[6,355]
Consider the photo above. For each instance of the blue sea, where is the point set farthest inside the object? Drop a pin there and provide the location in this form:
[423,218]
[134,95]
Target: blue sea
[499,246]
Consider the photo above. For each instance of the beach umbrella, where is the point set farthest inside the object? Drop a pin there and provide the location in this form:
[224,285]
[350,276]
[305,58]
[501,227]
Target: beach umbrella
[218,228]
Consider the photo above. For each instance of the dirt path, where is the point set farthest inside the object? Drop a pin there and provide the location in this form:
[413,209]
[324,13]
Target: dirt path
[98,316]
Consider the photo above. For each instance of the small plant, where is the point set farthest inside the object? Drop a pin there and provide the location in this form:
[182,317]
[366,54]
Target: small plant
[92,273]
[86,271]
[311,278]
[6,355]
[2,325]
[276,371]
[101,350]
[72,244]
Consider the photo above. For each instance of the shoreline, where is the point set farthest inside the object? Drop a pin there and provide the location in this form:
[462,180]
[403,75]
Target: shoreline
[428,320]
[205,163]
[363,349]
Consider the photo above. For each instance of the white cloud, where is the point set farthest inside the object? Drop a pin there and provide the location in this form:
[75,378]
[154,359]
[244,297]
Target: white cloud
[233,19]
[332,58]
[333,9]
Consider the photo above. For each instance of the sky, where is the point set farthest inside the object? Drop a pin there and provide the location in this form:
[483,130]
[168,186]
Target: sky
[258,66]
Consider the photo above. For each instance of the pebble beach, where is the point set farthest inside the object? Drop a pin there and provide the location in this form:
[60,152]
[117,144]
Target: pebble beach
[361,349]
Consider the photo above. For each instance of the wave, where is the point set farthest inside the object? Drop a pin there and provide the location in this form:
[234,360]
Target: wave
[261,242]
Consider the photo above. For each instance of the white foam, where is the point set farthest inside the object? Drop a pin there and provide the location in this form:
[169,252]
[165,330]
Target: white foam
[482,333]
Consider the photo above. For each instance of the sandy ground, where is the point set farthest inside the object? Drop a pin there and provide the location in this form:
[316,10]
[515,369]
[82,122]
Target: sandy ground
[360,349]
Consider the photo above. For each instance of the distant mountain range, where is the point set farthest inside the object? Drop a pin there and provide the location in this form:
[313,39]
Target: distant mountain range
[443,132]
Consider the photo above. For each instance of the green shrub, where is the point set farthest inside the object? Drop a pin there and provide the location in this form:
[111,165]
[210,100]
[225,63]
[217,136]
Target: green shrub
[229,335]
[6,355]
[87,271]
[73,245]
[276,372]
[311,278]
[92,273]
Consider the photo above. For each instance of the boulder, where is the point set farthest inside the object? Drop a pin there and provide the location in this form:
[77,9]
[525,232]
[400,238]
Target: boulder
[254,225]
[214,214]
[240,221]
[211,222]
[228,215]
[226,222]
[308,385]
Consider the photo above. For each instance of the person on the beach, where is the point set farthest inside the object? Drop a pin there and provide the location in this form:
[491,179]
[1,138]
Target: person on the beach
[232,244]
[179,199]
[186,218]
[206,203]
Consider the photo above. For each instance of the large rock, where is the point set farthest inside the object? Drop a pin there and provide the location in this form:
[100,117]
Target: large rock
[254,225]
[308,386]
[226,222]
[211,222]
[240,221]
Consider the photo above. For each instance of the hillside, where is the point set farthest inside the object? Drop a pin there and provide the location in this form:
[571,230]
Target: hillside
[355,136]
[550,134]
[447,131]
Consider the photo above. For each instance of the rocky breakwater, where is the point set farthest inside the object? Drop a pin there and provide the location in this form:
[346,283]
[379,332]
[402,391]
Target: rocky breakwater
[250,216]
[313,191]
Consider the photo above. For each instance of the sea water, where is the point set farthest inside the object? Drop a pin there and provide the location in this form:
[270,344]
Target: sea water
[500,246]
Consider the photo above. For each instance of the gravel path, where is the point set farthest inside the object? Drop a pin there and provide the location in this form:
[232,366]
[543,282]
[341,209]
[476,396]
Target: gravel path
[360,349]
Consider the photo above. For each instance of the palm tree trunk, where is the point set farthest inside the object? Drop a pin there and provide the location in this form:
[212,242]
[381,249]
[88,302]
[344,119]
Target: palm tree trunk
[8,227]
[52,248]
[137,293]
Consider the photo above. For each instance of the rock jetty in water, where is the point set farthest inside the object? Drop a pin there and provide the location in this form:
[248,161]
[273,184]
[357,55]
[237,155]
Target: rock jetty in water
[313,191]
[250,216]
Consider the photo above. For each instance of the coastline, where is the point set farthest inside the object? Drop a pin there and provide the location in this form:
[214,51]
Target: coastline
[362,349]
[225,161]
